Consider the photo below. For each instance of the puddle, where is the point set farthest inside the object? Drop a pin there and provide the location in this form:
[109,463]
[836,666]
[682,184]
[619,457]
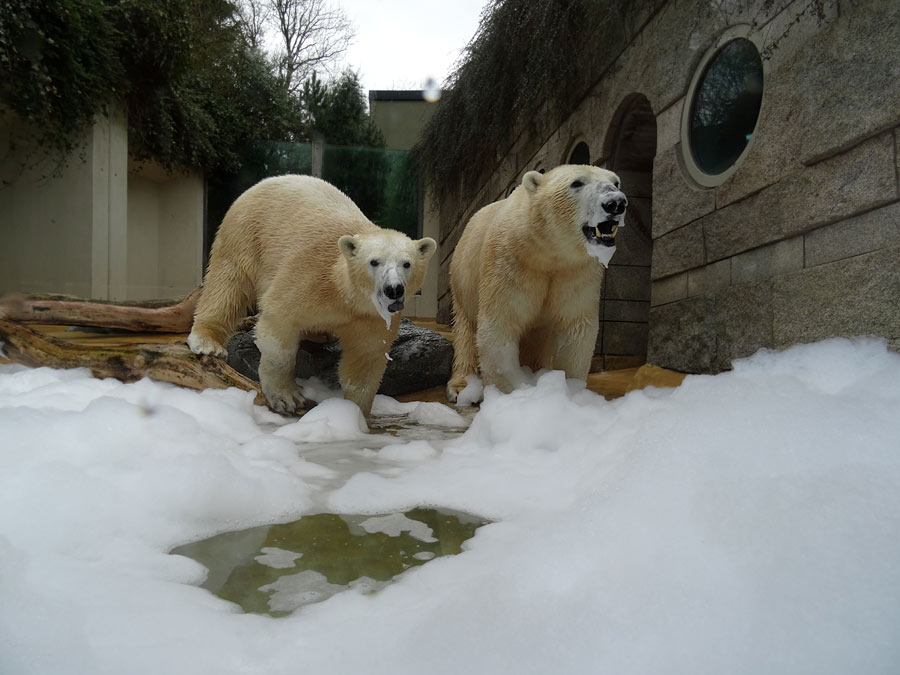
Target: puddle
[275,569]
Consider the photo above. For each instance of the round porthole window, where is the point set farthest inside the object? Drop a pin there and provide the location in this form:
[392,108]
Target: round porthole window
[725,99]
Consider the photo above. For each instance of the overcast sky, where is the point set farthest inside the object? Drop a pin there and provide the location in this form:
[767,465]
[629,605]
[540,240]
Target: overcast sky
[401,43]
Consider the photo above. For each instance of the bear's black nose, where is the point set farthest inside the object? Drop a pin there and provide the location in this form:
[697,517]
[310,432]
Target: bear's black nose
[615,207]
[394,292]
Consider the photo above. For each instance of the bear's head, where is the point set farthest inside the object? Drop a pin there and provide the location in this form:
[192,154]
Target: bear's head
[585,201]
[387,265]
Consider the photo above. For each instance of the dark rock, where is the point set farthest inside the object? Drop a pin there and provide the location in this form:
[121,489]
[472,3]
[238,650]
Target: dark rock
[420,359]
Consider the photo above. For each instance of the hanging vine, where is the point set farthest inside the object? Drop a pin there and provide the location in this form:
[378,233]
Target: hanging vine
[525,57]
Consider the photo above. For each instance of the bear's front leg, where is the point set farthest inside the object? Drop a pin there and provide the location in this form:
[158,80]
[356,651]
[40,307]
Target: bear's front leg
[278,343]
[365,347]
[498,352]
[574,346]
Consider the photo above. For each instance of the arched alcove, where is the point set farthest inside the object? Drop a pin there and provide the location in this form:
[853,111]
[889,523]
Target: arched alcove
[629,150]
[579,154]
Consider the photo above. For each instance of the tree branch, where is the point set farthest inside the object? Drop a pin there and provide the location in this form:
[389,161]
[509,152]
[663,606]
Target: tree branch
[166,363]
[170,319]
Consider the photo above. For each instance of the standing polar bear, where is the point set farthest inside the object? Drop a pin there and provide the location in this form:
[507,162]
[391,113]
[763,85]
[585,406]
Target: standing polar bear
[526,277]
[300,251]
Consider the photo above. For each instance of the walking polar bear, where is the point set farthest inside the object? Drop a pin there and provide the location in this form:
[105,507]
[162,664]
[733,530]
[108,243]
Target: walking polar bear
[301,253]
[526,277]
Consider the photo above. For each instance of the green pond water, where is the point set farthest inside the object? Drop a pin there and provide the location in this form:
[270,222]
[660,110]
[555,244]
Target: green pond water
[275,569]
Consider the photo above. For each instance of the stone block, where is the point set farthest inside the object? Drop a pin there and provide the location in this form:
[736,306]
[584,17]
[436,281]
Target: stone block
[633,245]
[791,29]
[668,126]
[834,115]
[775,147]
[675,202]
[623,361]
[625,310]
[897,152]
[621,337]
[783,257]
[627,283]
[856,181]
[855,236]
[709,278]
[846,298]
[444,312]
[682,336]
[679,251]
[743,318]
[670,47]
[598,343]
[635,184]
[670,289]
[774,151]
[444,277]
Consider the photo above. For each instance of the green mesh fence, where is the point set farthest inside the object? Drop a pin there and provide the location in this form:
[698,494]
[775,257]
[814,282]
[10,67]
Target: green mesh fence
[383,183]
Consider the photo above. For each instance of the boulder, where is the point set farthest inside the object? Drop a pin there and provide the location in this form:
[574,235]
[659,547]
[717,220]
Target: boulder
[419,359]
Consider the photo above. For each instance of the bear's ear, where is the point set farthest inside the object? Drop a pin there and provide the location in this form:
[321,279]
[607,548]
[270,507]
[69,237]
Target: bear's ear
[426,247]
[349,246]
[532,180]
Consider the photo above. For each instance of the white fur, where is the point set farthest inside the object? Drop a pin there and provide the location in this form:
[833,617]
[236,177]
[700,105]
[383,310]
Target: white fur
[602,253]
[526,280]
[300,251]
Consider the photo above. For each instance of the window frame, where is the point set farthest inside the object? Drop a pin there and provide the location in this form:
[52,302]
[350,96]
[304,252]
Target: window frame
[700,177]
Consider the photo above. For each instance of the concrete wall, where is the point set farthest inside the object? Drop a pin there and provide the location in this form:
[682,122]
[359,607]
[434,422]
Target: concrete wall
[165,233]
[401,116]
[97,228]
[802,242]
[56,223]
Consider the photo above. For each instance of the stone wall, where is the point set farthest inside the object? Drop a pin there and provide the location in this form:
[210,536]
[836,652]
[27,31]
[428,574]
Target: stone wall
[802,242]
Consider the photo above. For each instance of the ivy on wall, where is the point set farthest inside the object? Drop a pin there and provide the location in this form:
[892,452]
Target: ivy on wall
[59,65]
[528,65]
[531,63]
[193,90]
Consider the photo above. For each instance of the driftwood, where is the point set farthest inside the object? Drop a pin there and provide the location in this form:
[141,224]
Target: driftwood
[173,363]
[175,318]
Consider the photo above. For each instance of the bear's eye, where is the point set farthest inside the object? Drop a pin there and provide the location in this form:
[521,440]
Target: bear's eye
[373,262]
[616,183]
[576,184]
[407,265]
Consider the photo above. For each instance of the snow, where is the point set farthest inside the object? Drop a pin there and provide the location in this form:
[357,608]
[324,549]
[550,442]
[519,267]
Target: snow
[742,523]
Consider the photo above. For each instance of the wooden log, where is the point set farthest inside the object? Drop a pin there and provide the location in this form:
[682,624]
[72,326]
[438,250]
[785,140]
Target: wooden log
[173,363]
[176,318]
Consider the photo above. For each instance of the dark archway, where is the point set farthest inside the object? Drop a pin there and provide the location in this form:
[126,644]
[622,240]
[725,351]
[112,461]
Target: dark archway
[580,154]
[625,306]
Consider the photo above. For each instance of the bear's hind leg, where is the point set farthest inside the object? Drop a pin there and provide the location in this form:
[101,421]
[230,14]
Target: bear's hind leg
[464,356]
[225,297]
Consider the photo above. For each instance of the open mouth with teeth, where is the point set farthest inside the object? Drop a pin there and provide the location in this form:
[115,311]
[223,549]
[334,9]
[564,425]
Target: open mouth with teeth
[602,235]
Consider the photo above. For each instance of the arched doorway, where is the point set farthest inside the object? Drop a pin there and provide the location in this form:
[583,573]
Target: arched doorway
[625,305]
[580,154]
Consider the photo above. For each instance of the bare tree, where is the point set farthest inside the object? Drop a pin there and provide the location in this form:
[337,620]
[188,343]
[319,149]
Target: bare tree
[312,34]
[253,17]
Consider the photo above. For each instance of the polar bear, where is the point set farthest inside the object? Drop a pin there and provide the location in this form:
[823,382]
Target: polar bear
[526,275]
[301,253]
